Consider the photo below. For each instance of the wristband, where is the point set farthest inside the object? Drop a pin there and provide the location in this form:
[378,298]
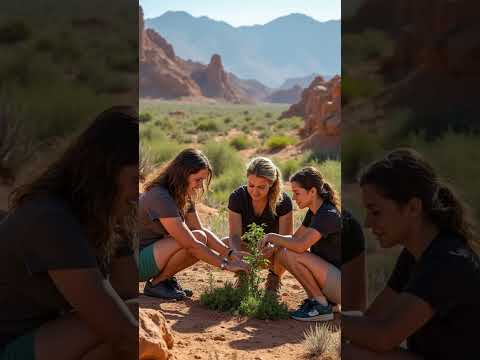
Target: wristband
[230,252]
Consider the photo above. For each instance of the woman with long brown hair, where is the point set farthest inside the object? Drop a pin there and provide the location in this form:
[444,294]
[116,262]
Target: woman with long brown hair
[432,299]
[261,201]
[59,243]
[172,236]
[317,269]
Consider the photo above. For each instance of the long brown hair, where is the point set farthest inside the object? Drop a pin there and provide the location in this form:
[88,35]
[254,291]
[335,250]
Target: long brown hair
[174,176]
[310,177]
[264,167]
[404,174]
[86,174]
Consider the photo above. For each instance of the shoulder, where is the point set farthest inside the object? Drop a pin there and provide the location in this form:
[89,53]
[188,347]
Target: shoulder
[239,194]
[328,210]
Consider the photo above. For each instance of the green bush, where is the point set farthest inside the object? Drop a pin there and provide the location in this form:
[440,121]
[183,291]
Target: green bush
[358,149]
[278,142]
[145,117]
[222,157]
[208,125]
[247,299]
[241,142]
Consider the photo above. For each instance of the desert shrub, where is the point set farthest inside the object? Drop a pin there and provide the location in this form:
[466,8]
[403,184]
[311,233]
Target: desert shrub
[357,87]
[208,125]
[247,299]
[145,117]
[241,142]
[278,142]
[222,157]
[289,167]
[322,339]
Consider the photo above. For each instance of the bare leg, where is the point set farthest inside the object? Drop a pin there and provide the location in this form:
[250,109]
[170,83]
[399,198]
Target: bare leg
[69,338]
[173,256]
[353,352]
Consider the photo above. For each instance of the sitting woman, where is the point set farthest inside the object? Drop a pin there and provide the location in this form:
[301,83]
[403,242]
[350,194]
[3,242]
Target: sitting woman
[262,202]
[58,246]
[172,237]
[433,295]
[318,270]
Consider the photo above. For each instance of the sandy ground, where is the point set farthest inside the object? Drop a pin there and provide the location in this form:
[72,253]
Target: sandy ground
[201,333]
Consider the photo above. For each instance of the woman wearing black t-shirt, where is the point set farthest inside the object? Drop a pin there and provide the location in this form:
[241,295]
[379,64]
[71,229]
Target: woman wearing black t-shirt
[59,244]
[318,269]
[262,202]
[432,299]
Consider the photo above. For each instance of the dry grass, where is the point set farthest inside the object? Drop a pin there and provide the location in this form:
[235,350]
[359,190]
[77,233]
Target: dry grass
[322,339]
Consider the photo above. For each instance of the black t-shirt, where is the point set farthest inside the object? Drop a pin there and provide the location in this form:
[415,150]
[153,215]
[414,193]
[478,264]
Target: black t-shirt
[39,236]
[353,240]
[241,203]
[327,221]
[447,276]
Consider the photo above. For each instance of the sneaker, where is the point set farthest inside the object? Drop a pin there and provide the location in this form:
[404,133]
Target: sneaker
[312,310]
[174,283]
[273,284]
[163,290]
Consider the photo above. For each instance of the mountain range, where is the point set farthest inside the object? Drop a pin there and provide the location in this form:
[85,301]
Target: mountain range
[292,46]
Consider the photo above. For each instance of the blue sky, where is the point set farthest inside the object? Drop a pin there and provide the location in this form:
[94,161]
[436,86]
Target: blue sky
[245,12]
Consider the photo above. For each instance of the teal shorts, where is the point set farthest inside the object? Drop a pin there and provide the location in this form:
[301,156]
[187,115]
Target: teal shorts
[22,348]
[146,263]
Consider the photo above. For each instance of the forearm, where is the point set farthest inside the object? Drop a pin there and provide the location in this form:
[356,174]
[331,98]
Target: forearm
[235,242]
[215,243]
[366,332]
[287,242]
[202,252]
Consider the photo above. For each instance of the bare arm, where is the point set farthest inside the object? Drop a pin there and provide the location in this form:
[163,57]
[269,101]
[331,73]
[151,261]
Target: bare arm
[235,227]
[300,242]
[354,284]
[183,235]
[285,224]
[97,303]
[193,222]
[380,307]
[403,318]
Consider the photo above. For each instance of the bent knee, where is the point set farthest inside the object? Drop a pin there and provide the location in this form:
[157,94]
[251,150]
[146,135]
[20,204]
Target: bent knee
[200,236]
[287,257]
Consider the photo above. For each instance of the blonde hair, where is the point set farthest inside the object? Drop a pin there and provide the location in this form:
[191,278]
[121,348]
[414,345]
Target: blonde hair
[265,168]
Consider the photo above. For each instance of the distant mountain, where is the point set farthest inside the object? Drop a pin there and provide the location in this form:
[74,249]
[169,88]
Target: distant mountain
[291,46]
[303,82]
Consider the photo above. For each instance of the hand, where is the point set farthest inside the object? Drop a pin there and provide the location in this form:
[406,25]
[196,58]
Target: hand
[263,243]
[268,250]
[238,255]
[237,265]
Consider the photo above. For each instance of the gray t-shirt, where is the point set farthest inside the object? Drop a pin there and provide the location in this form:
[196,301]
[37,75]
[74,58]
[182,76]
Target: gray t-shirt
[41,235]
[155,204]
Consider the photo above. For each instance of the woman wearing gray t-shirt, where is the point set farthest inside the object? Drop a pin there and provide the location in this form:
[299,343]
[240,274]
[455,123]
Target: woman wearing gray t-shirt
[172,237]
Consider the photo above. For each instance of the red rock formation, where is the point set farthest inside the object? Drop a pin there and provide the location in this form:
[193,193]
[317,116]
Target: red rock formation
[165,75]
[214,81]
[161,75]
[155,338]
[288,96]
[320,101]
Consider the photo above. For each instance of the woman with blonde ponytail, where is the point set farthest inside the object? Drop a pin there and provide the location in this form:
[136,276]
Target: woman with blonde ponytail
[317,269]
[262,202]
[432,299]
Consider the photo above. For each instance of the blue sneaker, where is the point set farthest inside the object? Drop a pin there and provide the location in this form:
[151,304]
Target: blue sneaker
[312,310]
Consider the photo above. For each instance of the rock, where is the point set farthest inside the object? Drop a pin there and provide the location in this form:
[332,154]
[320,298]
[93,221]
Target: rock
[320,107]
[155,338]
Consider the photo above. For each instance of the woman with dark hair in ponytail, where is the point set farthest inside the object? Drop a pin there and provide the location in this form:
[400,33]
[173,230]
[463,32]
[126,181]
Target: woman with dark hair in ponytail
[318,269]
[432,299]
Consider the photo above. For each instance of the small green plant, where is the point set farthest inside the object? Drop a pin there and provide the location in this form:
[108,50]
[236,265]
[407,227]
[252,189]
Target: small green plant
[247,299]
[278,142]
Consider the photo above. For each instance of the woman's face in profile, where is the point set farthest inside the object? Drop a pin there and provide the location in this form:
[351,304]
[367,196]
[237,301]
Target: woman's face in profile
[387,220]
[127,187]
[258,187]
[196,181]
[301,196]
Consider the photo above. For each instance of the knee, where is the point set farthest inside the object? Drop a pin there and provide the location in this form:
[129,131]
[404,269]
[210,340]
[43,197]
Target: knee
[200,236]
[287,257]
